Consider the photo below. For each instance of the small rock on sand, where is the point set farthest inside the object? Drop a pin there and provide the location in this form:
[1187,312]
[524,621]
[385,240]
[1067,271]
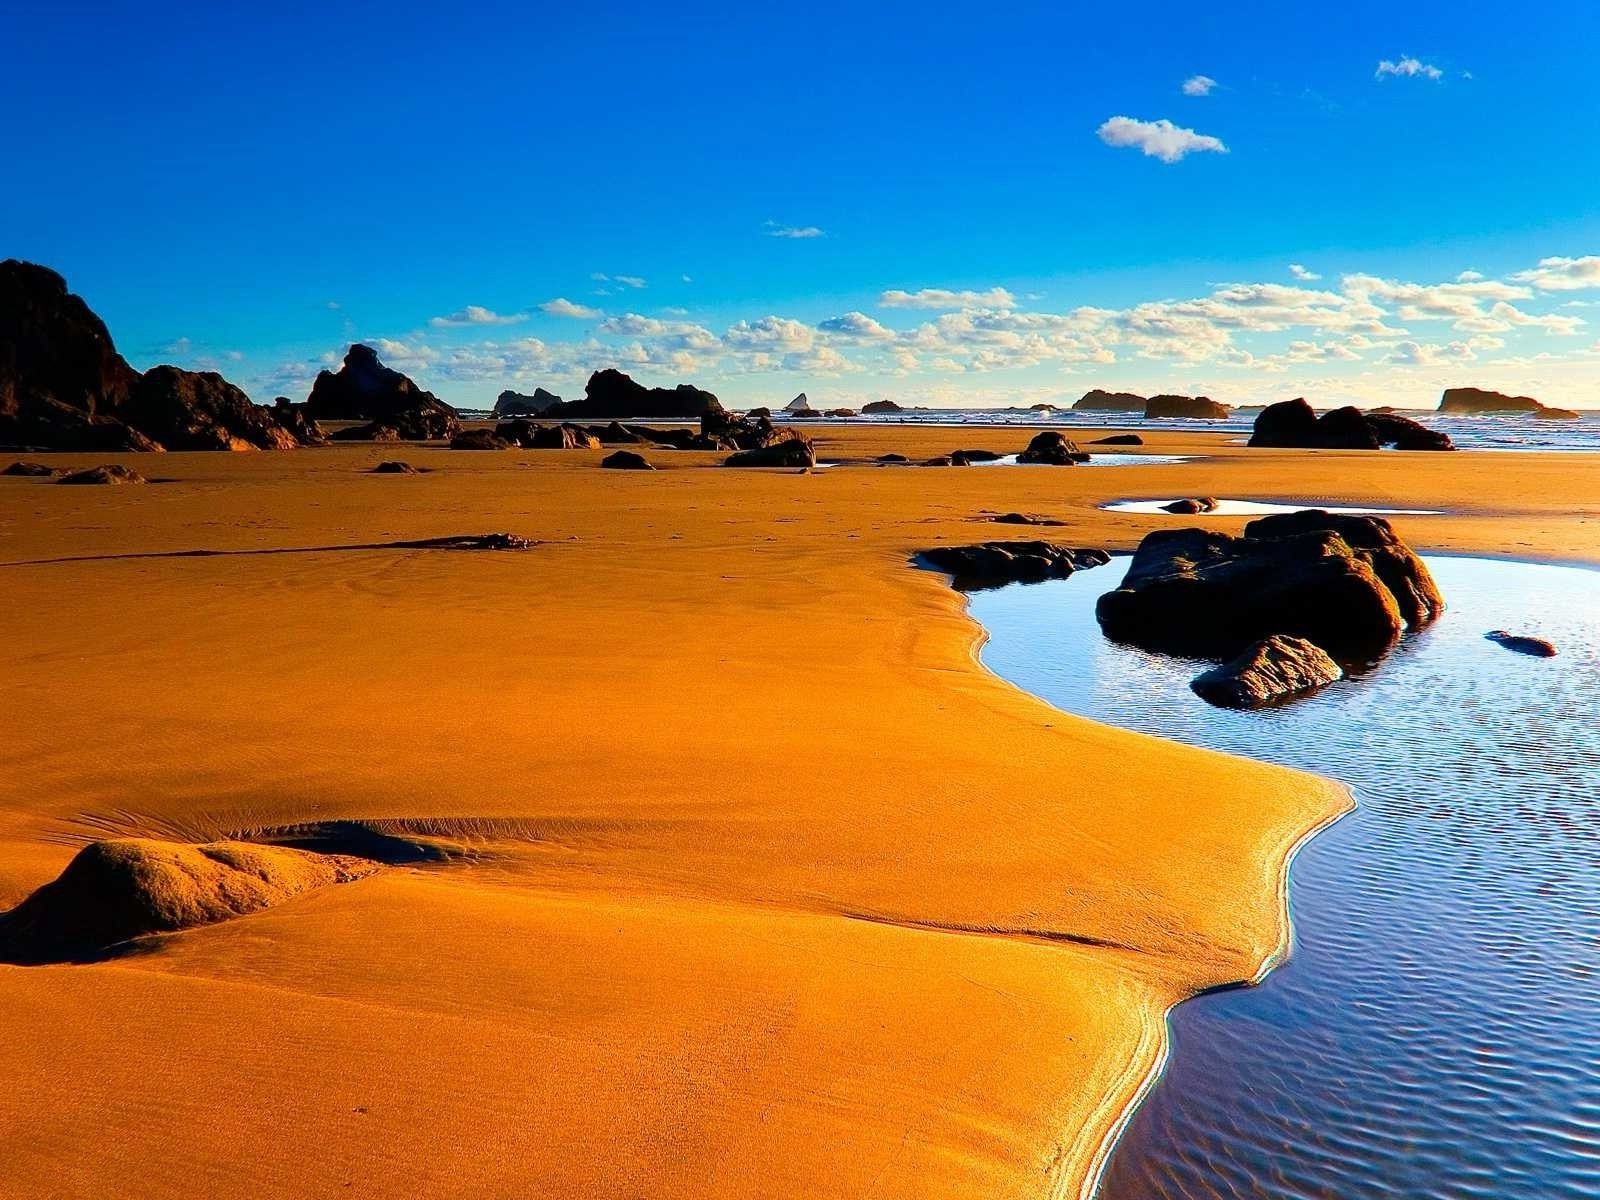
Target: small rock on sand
[110,473]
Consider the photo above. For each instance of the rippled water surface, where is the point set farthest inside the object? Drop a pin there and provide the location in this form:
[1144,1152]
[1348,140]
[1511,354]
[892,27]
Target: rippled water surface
[1227,508]
[1436,1031]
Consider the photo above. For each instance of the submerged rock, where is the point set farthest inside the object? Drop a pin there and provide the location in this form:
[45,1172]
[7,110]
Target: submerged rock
[113,891]
[1054,449]
[991,564]
[626,460]
[1347,583]
[111,473]
[1275,669]
[1522,644]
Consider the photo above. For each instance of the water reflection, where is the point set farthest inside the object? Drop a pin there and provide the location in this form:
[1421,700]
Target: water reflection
[1437,1030]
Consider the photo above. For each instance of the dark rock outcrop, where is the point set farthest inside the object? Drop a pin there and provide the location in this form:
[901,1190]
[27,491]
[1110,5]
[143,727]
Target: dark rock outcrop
[363,389]
[891,459]
[1347,583]
[1052,449]
[991,564]
[723,430]
[375,431]
[1192,505]
[114,891]
[795,451]
[1016,518]
[110,473]
[1189,408]
[32,470]
[968,457]
[1100,400]
[297,419]
[394,467]
[1472,401]
[626,460]
[560,437]
[200,410]
[1522,644]
[1119,439]
[840,412]
[798,405]
[1293,424]
[1274,670]
[1557,414]
[479,439]
[1403,433]
[515,404]
[610,393]
[873,407]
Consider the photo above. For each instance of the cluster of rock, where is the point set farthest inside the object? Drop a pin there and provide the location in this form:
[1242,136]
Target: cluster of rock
[1162,407]
[1345,583]
[610,393]
[1052,449]
[1294,424]
[63,386]
[515,404]
[874,407]
[1471,401]
[992,564]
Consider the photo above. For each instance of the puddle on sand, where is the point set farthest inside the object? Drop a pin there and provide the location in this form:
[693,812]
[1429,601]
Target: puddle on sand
[1100,460]
[1436,1030]
[1227,508]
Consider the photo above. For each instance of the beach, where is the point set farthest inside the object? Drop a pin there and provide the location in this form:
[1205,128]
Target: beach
[746,878]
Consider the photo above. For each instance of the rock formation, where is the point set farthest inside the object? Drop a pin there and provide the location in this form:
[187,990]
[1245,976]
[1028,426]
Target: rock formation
[1192,505]
[1016,518]
[1294,424]
[991,564]
[1054,449]
[873,407]
[394,467]
[32,470]
[626,460]
[610,393]
[1100,400]
[200,410]
[1188,408]
[515,404]
[1119,439]
[1471,400]
[363,389]
[1347,583]
[110,473]
[798,405]
[1274,670]
[794,451]
[479,439]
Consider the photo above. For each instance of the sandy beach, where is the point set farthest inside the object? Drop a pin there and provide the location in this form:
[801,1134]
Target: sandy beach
[750,880]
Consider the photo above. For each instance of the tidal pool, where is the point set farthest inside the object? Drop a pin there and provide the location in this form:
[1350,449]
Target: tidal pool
[1436,1029]
[1099,460]
[1226,508]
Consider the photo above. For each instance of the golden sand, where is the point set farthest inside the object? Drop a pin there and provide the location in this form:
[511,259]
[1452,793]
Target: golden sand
[760,885]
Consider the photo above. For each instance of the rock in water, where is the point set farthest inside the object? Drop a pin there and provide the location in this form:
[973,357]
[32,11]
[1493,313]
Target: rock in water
[991,564]
[363,389]
[798,404]
[1189,408]
[1054,449]
[116,890]
[793,451]
[1346,583]
[1293,424]
[1193,505]
[610,393]
[1100,400]
[1537,647]
[626,460]
[110,473]
[872,407]
[1471,400]
[1275,669]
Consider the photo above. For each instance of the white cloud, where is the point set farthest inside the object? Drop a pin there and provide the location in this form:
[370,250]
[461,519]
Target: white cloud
[1563,274]
[856,326]
[995,297]
[476,314]
[1302,273]
[793,232]
[632,281]
[1158,139]
[1198,85]
[562,307]
[1409,67]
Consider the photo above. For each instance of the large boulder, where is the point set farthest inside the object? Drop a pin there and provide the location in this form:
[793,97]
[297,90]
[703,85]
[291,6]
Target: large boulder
[1347,583]
[1188,408]
[561,437]
[1119,439]
[794,451]
[626,460]
[1293,424]
[1100,400]
[479,439]
[991,564]
[363,389]
[200,410]
[874,407]
[1054,449]
[515,404]
[1274,670]
[610,393]
[1403,433]
[113,891]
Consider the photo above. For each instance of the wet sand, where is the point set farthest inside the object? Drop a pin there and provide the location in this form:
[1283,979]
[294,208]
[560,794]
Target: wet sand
[755,882]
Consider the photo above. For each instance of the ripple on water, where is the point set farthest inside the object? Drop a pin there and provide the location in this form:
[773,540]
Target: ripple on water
[1436,1031]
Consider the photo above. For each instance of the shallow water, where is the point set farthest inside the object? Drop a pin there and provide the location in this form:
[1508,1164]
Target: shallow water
[1436,1031]
[1226,508]
[1098,460]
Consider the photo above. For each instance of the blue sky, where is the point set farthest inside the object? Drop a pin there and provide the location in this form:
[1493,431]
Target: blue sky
[251,192]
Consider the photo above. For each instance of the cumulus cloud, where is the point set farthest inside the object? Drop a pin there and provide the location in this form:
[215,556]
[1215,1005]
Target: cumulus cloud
[1302,273]
[995,297]
[793,232]
[1563,274]
[1198,85]
[562,307]
[1410,68]
[857,326]
[476,314]
[1158,139]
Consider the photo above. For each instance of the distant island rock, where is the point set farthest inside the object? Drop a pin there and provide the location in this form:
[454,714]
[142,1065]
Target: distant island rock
[1294,424]
[1478,402]
[798,405]
[881,406]
[515,404]
[363,389]
[1100,400]
[1187,408]
[63,386]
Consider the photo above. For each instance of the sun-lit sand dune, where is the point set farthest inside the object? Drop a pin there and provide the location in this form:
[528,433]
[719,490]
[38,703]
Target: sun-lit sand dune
[742,876]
